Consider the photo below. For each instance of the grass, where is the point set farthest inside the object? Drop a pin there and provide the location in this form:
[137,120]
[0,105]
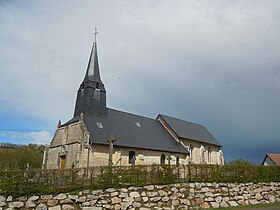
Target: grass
[250,206]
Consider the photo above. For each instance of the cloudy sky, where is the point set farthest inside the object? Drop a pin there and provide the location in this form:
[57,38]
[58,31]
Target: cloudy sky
[214,63]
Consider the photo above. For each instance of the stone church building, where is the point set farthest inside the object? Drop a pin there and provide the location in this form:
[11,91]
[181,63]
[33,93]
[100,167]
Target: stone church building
[82,142]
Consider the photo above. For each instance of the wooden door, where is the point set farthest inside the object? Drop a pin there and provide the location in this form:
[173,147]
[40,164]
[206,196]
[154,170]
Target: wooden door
[62,163]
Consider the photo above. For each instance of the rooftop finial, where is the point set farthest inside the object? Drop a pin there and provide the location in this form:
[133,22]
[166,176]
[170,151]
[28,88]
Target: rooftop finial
[95,33]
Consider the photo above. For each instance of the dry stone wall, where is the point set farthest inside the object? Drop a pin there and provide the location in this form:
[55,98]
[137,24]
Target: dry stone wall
[165,197]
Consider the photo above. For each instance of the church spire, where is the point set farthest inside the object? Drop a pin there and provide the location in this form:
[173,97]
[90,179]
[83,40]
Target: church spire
[91,96]
[92,76]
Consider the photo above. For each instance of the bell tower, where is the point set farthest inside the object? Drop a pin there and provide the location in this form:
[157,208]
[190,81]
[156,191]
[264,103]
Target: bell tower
[91,96]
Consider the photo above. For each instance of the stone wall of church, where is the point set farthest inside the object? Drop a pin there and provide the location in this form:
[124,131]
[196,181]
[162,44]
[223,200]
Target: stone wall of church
[202,153]
[66,144]
[98,156]
[70,152]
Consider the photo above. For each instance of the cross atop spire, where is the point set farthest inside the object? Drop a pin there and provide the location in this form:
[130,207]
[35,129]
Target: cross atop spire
[95,33]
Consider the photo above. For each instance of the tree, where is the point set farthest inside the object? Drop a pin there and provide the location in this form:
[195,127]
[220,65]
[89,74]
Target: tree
[240,162]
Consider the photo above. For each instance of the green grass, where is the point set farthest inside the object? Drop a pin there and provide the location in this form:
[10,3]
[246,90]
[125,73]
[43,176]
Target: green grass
[250,206]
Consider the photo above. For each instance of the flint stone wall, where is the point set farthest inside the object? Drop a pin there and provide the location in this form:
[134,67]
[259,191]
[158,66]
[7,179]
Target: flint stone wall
[176,196]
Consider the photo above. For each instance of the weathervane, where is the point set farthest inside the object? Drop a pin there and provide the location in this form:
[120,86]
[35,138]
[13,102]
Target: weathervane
[95,33]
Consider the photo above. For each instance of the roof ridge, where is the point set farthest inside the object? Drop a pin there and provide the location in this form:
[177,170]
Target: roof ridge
[183,120]
[131,113]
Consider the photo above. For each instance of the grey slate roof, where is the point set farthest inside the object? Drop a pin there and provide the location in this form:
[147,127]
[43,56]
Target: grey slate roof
[150,135]
[189,130]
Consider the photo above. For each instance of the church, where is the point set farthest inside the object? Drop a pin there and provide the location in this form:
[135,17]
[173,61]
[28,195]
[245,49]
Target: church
[97,135]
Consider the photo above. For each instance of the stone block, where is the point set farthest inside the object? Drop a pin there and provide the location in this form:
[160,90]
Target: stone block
[233,203]
[152,194]
[253,202]
[209,199]
[125,205]
[9,198]
[66,201]
[60,196]
[218,199]
[2,198]
[136,204]
[155,199]
[2,203]
[73,197]
[34,198]
[16,205]
[30,204]
[224,204]
[152,204]
[42,206]
[116,200]
[204,189]
[162,193]
[92,197]
[205,205]
[185,202]
[215,205]
[82,199]
[209,194]
[113,194]
[52,202]
[117,207]
[134,194]
[67,207]
[175,203]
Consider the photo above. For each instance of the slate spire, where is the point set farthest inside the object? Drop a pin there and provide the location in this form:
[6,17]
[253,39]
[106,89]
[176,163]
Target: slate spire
[92,76]
[91,96]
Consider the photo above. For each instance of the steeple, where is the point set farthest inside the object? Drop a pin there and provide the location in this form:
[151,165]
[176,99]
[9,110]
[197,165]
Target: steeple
[91,96]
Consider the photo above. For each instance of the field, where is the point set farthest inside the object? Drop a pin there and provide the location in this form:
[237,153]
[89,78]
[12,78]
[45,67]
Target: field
[20,157]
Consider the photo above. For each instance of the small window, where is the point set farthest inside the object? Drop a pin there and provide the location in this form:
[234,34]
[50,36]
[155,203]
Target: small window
[97,85]
[99,125]
[177,160]
[138,124]
[131,156]
[162,159]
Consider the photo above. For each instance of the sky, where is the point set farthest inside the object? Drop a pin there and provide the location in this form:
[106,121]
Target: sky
[214,63]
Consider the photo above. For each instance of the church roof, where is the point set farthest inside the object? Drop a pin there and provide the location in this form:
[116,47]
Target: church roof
[189,130]
[131,131]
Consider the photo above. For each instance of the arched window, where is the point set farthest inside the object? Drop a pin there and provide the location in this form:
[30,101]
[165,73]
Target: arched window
[131,157]
[162,159]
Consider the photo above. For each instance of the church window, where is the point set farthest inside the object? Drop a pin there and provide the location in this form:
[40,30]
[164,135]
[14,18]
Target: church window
[131,157]
[162,159]
[97,85]
[138,124]
[99,125]
[177,160]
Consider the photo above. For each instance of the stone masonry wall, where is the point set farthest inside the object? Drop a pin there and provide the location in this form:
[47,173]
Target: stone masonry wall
[165,197]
